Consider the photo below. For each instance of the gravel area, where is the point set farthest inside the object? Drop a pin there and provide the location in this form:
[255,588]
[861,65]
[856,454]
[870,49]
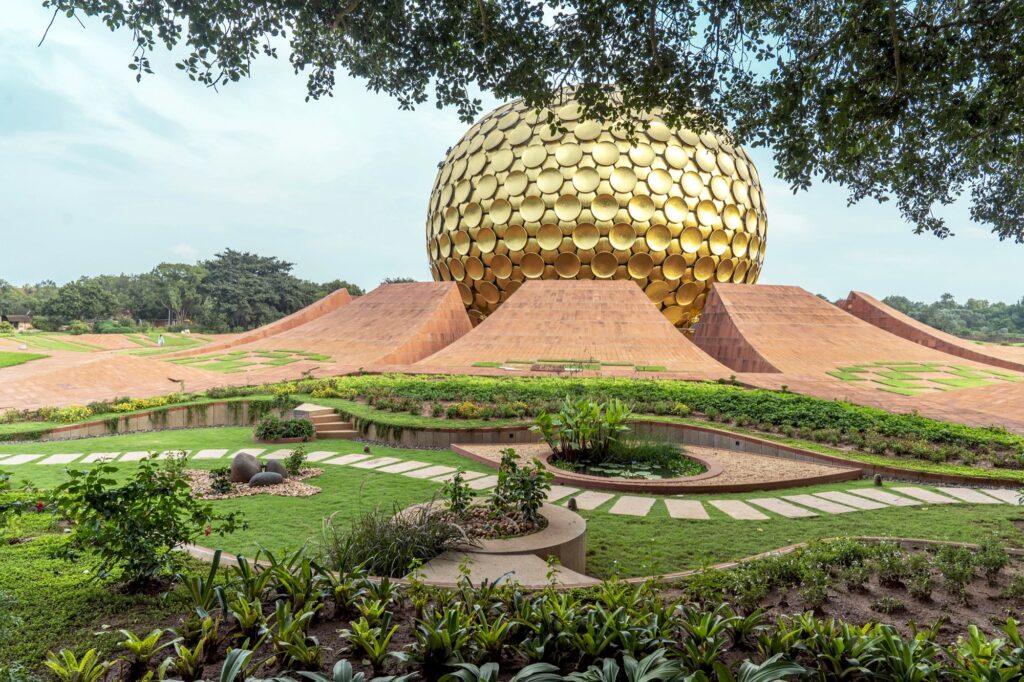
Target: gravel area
[737,467]
[293,486]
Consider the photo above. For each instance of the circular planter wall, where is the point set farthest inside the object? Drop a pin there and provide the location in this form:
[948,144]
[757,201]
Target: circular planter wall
[564,538]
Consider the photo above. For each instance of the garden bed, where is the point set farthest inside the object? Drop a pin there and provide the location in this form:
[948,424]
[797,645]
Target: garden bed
[201,481]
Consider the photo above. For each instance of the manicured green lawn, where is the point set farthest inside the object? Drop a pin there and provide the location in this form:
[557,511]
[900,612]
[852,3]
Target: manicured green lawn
[65,342]
[11,359]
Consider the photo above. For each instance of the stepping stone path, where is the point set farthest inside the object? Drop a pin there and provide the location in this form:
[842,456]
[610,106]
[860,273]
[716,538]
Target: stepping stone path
[485,483]
[398,468]
[319,455]
[852,500]
[969,495]
[685,509]
[926,495]
[61,459]
[278,454]
[885,498]
[591,499]
[628,505]
[374,463]
[255,452]
[210,454]
[782,508]
[1005,494]
[738,509]
[466,476]
[430,472]
[20,459]
[819,503]
[100,457]
[557,492]
[348,459]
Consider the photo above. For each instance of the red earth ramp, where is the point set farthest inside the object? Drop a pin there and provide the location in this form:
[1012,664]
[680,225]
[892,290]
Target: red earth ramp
[611,322]
[885,317]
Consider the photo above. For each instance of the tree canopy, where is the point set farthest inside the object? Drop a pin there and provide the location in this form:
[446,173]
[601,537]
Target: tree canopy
[917,101]
[974,318]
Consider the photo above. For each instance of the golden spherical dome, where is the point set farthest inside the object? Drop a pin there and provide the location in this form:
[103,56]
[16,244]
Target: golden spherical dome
[675,211]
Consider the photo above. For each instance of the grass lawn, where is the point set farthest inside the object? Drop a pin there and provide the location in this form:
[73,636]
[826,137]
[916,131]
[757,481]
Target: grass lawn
[11,359]
[49,341]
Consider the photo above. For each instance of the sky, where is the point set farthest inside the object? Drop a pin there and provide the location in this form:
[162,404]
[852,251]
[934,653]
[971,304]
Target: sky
[100,174]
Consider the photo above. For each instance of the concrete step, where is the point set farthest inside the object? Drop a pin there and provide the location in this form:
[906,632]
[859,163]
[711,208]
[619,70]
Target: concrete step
[324,418]
[335,425]
[346,434]
[309,410]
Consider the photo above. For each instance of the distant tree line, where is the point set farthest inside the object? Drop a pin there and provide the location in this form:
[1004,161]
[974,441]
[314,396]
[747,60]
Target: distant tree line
[974,319]
[232,291]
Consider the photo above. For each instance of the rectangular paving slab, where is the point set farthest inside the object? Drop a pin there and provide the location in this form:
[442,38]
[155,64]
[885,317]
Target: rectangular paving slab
[277,454]
[61,459]
[782,508]
[376,462]
[851,500]
[925,495]
[970,495]
[136,456]
[628,505]
[886,497]
[21,459]
[319,455]
[167,454]
[466,476]
[557,492]
[819,504]
[686,509]
[430,472]
[100,457]
[255,452]
[400,467]
[210,454]
[738,510]
[592,499]
[347,459]
[485,483]
[1007,495]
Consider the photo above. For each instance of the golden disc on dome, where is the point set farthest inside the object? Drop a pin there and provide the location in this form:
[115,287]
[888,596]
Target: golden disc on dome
[443,271]
[676,156]
[675,210]
[673,313]
[724,271]
[586,179]
[444,243]
[435,252]
[640,265]
[501,160]
[569,112]
[688,136]
[659,131]
[657,290]
[462,191]
[474,268]
[519,134]
[726,163]
[750,221]
[515,238]
[692,184]
[709,139]
[486,186]
[605,153]
[740,272]
[489,292]
[604,207]
[659,181]
[493,139]
[691,239]
[568,154]
[622,236]
[754,246]
[604,264]
[567,265]
[588,130]
[457,269]
[707,214]
[460,240]
[508,120]
[534,155]
[549,237]
[532,209]
[451,218]
[704,268]
[753,272]
[658,237]
[458,170]
[739,244]
[585,236]
[687,293]
[568,207]
[550,180]
[476,164]
[516,183]
[466,293]
[731,217]
[755,197]
[706,159]
[532,265]
[718,242]
[720,188]
[623,179]
[641,207]
[673,267]
[502,267]
[500,211]
[642,154]
[486,240]
[472,214]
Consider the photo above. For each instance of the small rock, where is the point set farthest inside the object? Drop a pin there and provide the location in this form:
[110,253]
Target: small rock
[266,478]
[274,466]
[571,505]
[243,467]
[878,480]
[366,449]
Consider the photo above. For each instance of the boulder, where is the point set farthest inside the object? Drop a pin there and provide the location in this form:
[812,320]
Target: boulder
[244,467]
[275,466]
[265,478]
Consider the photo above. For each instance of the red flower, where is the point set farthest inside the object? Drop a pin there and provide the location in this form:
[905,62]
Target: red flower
[40,506]
[207,531]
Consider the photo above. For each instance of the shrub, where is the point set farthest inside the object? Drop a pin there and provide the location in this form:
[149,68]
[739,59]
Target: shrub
[295,462]
[6,327]
[390,543]
[992,558]
[956,565]
[889,605]
[133,526]
[457,494]
[220,480]
[584,428]
[520,488]
[78,327]
[71,414]
[270,427]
